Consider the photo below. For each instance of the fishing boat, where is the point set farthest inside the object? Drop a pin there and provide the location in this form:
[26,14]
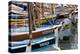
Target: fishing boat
[24,29]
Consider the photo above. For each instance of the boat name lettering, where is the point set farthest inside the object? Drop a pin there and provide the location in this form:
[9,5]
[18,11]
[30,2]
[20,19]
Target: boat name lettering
[43,44]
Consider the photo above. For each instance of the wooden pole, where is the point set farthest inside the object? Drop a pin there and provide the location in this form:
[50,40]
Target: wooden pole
[42,10]
[33,18]
[30,27]
[52,12]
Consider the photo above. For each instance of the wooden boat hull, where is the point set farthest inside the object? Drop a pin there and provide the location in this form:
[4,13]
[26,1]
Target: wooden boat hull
[35,34]
[26,36]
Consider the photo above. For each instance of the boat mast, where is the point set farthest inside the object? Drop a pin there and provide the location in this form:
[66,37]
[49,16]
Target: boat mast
[33,17]
[30,25]
[38,13]
[42,7]
[52,9]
